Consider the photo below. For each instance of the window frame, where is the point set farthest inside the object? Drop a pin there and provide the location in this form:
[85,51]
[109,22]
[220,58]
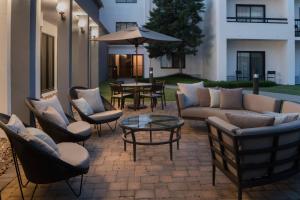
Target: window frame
[126,25]
[172,63]
[126,1]
[52,88]
[250,6]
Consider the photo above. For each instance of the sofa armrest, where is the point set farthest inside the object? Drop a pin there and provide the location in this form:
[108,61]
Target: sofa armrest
[179,101]
[222,125]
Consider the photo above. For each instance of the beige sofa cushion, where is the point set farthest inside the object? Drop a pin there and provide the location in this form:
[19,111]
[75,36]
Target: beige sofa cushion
[53,116]
[250,121]
[204,97]
[93,97]
[205,112]
[180,98]
[231,99]
[107,115]
[260,104]
[214,98]
[290,107]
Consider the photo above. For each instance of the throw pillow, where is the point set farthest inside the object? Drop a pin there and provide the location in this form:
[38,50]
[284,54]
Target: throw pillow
[16,125]
[43,104]
[250,120]
[83,106]
[204,97]
[42,136]
[281,118]
[214,98]
[92,96]
[190,93]
[231,99]
[52,115]
[40,144]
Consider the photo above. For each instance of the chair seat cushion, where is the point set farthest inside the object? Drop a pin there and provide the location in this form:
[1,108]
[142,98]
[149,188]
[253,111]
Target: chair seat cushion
[74,154]
[112,114]
[205,112]
[80,128]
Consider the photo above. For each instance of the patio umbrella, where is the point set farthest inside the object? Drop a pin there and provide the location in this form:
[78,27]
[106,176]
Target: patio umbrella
[136,36]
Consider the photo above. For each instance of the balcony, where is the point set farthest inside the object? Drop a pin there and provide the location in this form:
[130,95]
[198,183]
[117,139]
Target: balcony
[297,27]
[257,20]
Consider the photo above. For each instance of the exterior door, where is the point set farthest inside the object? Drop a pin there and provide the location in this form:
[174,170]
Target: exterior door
[249,63]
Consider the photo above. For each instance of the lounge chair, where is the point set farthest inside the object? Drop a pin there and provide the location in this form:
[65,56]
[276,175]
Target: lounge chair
[41,167]
[110,113]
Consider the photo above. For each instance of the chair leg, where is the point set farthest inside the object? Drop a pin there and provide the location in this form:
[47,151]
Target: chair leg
[98,128]
[213,175]
[240,193]
[20,182]
[162,103]
[77,194]
[152,104]
[115,127]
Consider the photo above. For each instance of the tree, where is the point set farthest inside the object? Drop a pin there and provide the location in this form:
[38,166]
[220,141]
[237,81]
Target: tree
[180,19]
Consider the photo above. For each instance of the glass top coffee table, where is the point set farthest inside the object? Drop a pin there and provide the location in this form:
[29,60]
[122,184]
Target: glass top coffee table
[151,123]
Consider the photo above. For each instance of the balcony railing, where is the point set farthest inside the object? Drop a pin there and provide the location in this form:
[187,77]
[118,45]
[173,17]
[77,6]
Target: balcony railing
[257,20]
[297,27]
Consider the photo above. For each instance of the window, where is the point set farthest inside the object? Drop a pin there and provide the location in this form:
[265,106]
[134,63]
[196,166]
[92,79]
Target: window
[120,26]
[249,63]
[47,63]
[250,13]
[172,62]
[126,1]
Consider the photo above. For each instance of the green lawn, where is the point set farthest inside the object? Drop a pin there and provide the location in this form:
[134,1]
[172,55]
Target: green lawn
[285,89]
[105,91]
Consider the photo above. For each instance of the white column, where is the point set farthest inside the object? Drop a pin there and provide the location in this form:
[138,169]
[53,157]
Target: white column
[221,20]
[290,69]
[5,26]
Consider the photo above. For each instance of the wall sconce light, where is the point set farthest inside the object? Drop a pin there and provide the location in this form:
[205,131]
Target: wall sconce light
[94,32]
[81,24]
[61,8]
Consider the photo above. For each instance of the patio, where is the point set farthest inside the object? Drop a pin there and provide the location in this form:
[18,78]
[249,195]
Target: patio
[114,175]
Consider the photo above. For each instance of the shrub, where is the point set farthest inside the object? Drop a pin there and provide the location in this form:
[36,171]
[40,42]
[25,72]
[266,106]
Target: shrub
[237,84]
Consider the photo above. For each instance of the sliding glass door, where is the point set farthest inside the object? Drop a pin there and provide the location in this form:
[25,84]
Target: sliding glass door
[249,63]
[250,13]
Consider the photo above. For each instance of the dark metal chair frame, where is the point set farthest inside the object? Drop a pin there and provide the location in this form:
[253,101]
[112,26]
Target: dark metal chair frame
[152,94]
[238,153]
[117,89]
[57,133]
[97,123]
[39,167]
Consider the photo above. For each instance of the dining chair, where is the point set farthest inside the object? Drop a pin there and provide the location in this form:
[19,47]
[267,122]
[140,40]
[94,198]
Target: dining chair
[117,93]
[153,94]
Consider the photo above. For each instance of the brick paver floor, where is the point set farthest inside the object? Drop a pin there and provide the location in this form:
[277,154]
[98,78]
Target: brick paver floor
[114,175]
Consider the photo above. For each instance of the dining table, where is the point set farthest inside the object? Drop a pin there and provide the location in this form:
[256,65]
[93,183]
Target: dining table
[137,88]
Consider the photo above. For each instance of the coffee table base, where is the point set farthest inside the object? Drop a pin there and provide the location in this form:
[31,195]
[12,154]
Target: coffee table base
[151,143]
[141,106]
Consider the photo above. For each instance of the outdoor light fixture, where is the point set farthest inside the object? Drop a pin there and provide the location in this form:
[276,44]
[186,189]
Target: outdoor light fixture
[61,8]
[81,24]
[94,32]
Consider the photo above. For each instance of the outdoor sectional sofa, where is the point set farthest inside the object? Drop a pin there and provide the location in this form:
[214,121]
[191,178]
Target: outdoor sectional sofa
[252,156]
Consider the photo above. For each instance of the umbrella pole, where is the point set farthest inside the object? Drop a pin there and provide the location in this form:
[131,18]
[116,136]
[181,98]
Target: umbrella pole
[136,63]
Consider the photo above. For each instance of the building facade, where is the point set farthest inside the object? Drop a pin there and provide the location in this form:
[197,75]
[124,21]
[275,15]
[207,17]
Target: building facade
[242,37]
[46,48]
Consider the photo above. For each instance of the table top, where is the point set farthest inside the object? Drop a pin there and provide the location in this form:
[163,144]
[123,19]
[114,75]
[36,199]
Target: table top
[152,122]
[135,84]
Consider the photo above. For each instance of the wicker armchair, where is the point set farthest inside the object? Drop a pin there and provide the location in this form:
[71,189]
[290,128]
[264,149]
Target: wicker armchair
[256,156]
[110,114]
[57,133]
[40,167]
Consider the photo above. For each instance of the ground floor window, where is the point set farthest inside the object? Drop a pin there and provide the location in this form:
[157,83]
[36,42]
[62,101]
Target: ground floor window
[121,26]
[126,66]
[47,63]
[249,63]
[172,61]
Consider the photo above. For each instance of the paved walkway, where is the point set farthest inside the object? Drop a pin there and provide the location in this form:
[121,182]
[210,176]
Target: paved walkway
[114,175]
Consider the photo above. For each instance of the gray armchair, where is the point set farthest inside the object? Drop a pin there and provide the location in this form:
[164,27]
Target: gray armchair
[41,167]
